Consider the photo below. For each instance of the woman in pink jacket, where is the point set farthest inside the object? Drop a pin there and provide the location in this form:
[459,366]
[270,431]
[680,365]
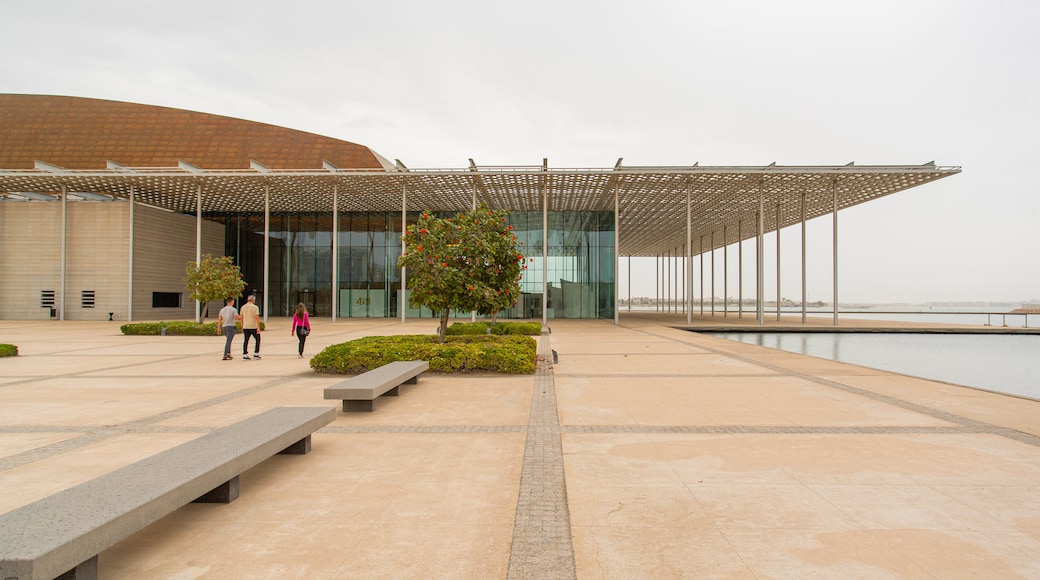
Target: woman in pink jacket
[301,325]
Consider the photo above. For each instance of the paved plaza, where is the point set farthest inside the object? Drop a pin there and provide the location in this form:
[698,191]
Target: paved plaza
[643,451]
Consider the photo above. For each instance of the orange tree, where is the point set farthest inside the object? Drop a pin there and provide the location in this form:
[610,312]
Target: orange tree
[213,279]
[468,263]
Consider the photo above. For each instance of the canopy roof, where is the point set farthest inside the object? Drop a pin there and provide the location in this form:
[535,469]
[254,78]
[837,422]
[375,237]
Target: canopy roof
[652,201]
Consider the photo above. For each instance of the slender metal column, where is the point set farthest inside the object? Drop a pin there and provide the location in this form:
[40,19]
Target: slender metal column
[803,258]
[835,250]
[629,281]
[778,299]
[545,245]
[64,243]
[657,283]
[473,313]
[267,250]
[666,268]
[760,312]
[198,244]
[335,250]
[688,265]
[740,269]
[725,272]
[404,271]
[130,264]
[700,262]
[713,272]
[617,249]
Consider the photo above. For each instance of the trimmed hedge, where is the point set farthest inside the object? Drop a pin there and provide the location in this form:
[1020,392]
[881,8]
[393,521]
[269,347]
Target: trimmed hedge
[8,350]
[177,327]
[499,328]
[458,354]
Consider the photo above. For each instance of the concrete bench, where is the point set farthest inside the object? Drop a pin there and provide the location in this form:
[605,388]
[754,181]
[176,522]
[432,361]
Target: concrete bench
[62,535]
[360,393]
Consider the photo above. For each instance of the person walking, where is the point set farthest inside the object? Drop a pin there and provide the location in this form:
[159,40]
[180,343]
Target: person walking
[250,327]
[301,325]
[226,323]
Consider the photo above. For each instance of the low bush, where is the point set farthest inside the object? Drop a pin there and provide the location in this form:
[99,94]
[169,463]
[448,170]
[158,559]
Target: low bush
[8,350]
[176,327]
[458,354]
[499,328]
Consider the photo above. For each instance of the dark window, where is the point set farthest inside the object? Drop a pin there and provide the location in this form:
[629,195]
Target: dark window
[166,299]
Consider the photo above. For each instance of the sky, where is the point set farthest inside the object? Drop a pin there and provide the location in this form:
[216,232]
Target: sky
[657,82]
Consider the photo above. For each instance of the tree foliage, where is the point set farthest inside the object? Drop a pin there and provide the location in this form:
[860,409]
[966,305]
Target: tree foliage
[213,279]
[468,263]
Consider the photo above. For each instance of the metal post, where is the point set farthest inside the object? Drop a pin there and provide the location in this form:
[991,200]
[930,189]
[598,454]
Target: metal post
[759,261]
[404,229]
[725,272]
[688,265]
[64,242]
[804,296]
[835,251]
[617,249]
[267,250]
[778,299]
[198,244]
[130,264]
[335,249]
[740,269]
[545,245]
[713,273]
[700,262]
[473,313]
[629,280]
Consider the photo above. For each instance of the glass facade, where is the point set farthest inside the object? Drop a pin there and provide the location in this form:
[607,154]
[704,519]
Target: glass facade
[579,270]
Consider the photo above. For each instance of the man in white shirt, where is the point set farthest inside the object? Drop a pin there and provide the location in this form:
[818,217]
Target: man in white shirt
[250,327]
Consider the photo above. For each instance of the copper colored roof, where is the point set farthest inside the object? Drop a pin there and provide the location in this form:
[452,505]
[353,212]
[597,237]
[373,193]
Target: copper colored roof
[80,133]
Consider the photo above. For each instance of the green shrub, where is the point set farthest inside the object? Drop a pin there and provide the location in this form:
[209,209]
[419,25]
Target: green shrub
[176,327]
[470,353]
[8,350]
[499,328]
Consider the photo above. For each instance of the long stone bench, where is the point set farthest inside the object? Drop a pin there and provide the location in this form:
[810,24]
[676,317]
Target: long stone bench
[360,393]
[62,535]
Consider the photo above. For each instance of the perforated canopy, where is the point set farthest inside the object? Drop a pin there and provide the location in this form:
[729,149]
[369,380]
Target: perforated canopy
[651,201]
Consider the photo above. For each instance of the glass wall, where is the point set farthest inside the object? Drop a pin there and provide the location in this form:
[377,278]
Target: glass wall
[580,266]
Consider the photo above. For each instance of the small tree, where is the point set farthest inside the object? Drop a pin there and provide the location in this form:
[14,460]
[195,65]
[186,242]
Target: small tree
[213,279]
[469,262]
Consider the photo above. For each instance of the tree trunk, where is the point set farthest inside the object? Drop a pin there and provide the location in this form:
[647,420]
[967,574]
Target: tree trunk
[442,331]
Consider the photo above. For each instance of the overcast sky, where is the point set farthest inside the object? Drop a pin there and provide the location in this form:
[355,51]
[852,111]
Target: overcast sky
[655,82]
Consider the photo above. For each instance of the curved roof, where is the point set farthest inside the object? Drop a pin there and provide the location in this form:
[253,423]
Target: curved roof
[81,133]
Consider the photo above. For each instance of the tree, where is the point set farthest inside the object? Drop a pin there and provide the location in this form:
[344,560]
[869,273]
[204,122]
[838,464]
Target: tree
[213,279]
[469,262]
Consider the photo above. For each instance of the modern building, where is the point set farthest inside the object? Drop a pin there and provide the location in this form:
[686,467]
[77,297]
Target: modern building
[103,203]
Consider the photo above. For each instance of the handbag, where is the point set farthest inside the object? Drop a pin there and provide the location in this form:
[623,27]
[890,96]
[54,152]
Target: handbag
[303,331]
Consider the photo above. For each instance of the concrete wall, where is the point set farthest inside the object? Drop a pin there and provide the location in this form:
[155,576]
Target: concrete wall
[97,254]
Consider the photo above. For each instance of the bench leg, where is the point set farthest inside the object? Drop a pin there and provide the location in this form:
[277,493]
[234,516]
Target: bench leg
[412,381]
[394,392]
[224,493]
[85,571]
[358,406]
[301,447]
